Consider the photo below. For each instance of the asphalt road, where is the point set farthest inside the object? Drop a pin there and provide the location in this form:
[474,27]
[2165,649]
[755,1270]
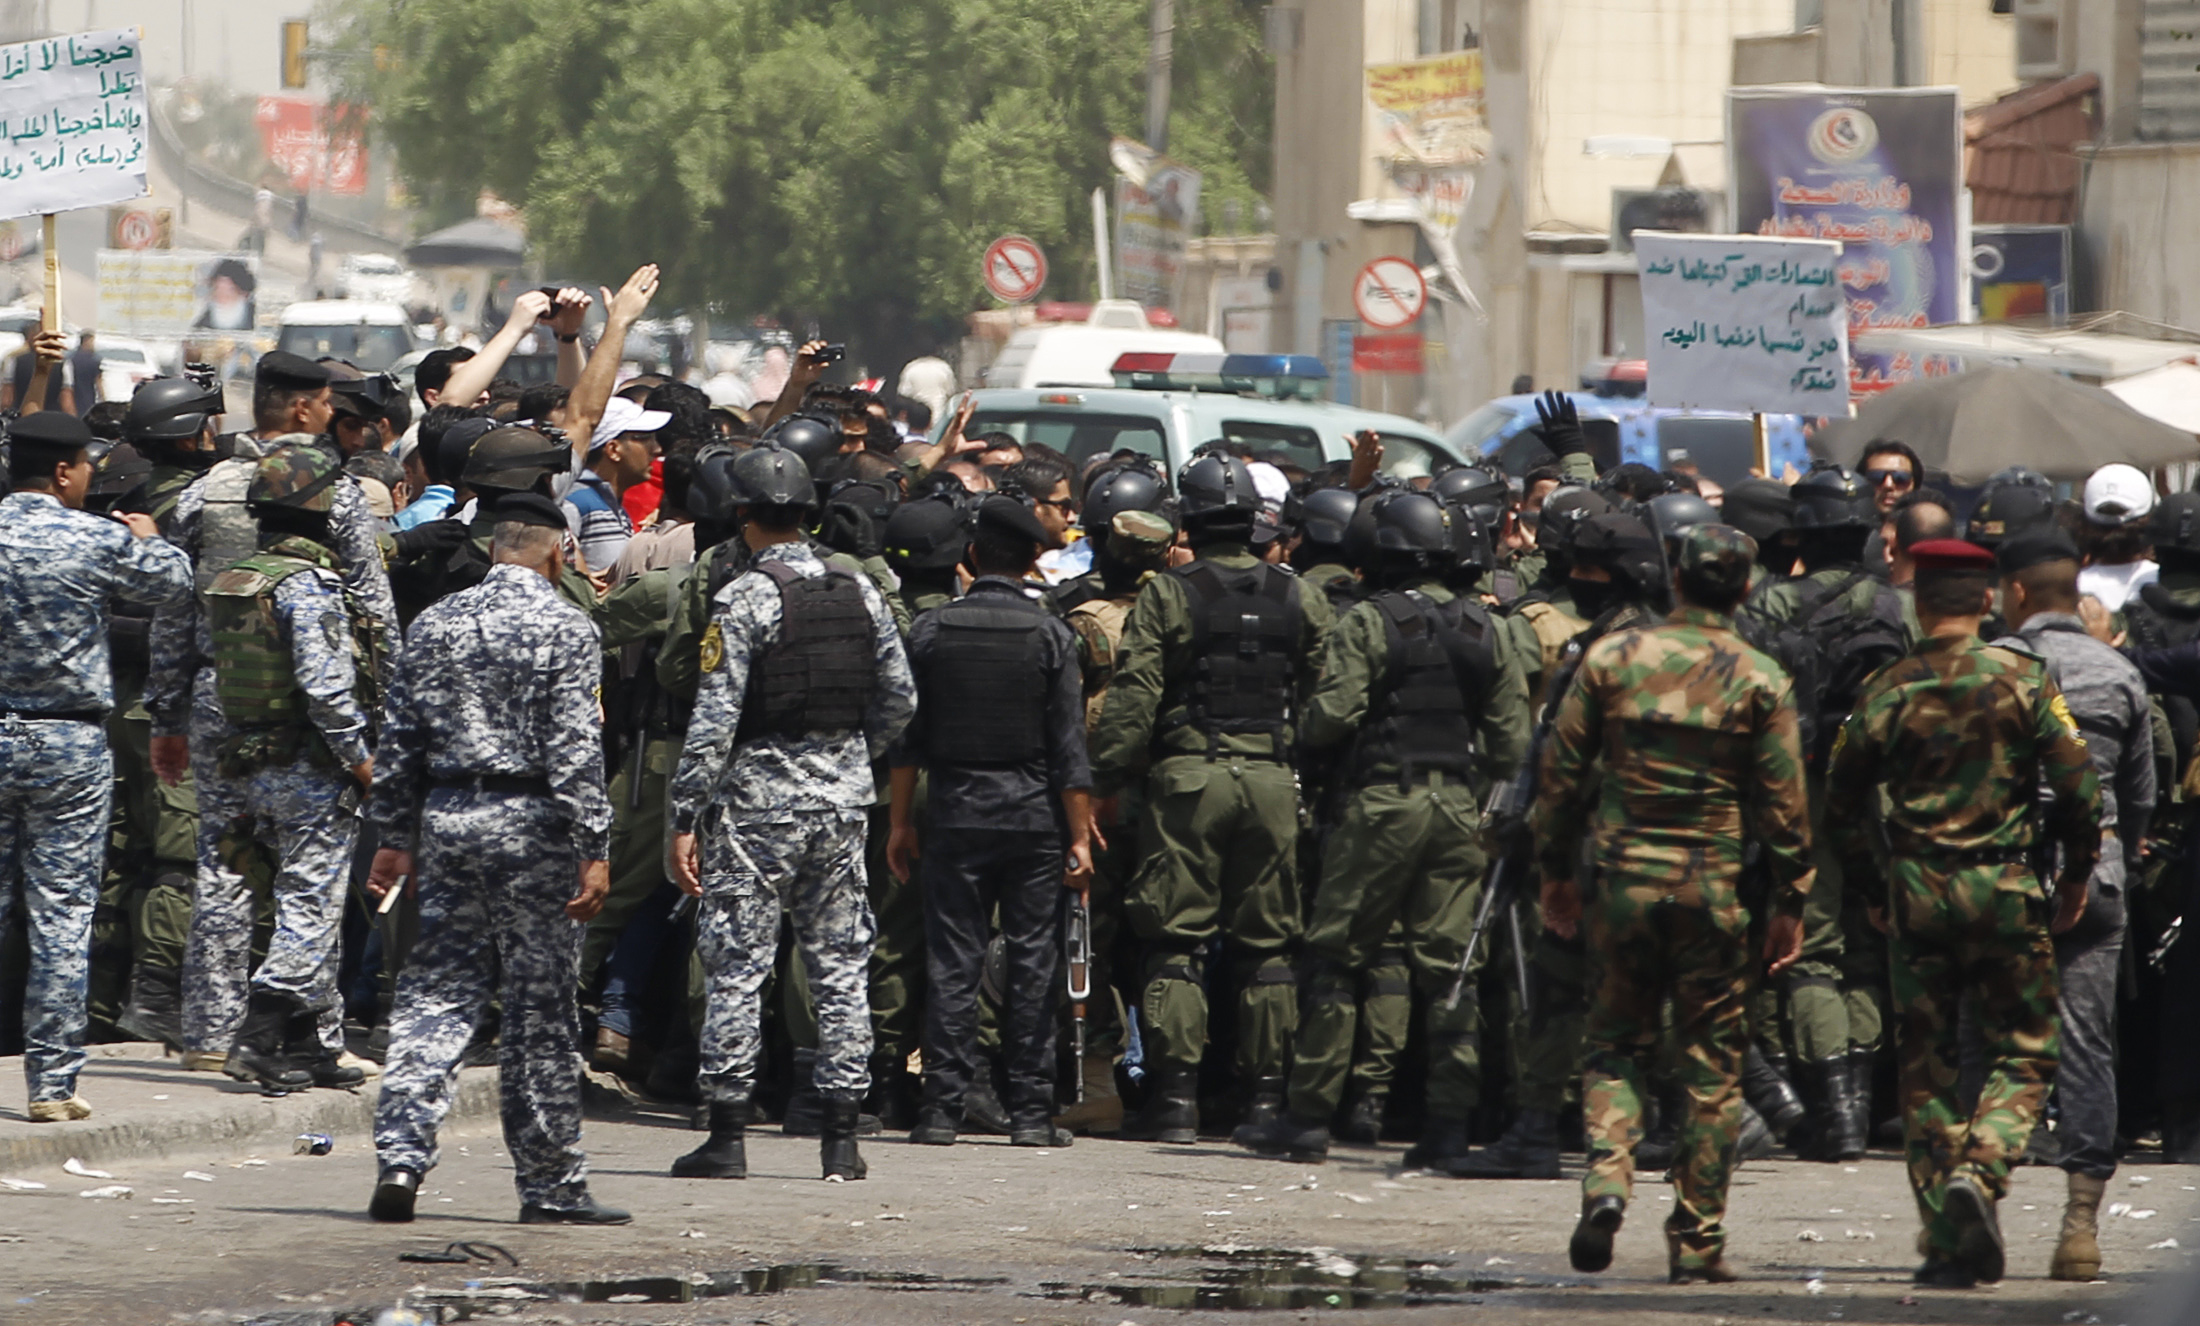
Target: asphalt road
[1103,1233]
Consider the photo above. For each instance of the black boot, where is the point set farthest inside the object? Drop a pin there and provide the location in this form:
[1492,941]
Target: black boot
[1171,1111]
[982,1108]
[1662,1141]
[1818,1082]
[257,1056]
[1857,1113]
[1528,1150]
[394,1191]
[804,1116]
[1978,1229]
[893,1096]
[837,1151]
[1363,1123]
[724,1155]
[1755,1140]
[302,1042]
[1773,1097]
[1846,1135]
[1442,1142]
[1591,1248]
[934,1127]
[1286,1137]
[1039,1130]
[1264,1103]
[156,1006]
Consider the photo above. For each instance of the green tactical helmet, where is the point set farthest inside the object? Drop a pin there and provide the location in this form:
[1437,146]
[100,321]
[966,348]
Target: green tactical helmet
[297,478]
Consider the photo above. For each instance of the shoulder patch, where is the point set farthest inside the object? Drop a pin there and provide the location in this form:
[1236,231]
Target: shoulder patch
[2061,709]
[713,650]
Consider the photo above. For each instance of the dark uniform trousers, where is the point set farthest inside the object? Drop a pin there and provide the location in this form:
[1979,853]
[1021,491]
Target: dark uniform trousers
[966,874]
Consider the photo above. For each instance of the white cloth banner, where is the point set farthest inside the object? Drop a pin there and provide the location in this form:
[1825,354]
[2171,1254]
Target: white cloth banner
[73,123]
[1740,323]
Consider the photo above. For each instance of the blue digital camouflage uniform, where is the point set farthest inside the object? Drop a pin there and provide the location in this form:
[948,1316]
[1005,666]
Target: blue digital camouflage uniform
[58,569]
[301,807]
[492,755]
[179,694]
[780,822]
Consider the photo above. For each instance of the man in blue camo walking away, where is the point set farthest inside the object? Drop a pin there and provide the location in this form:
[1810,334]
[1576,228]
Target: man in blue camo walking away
[289,661]
[804,683]
[59,567]
[492,760]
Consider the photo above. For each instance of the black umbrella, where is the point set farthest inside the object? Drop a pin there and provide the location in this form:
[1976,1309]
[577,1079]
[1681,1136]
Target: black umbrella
[1972,424]
[476,243]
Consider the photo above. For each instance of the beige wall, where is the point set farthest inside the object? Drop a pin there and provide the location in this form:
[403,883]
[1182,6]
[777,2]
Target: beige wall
[2136,230]
[1969,46]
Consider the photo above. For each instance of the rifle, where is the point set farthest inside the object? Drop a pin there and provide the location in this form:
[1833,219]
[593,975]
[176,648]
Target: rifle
[1077,977]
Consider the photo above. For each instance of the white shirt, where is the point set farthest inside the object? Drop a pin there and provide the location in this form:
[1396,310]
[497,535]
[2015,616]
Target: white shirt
[2117,585]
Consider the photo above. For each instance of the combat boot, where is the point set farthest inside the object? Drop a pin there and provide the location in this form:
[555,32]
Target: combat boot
[302,1042]
[156,1006]
[805,1115]
[1528,1150]
[1978,1230]
[394,1192]
[1264,1103]
[1712,1272]
[1101,1112]
[935,1127]
[2078,1256]
[1772,1096]
[1171,1112]
[837,1147]
[982,1108]
[1654,1153]
[1754,1140]
[724,1154]
[1363,1123]
[893,1097]
[1039,1130]
[1856,1111]
[1285,1137]
[1591,1247]
[257,1055]
[1823,1085]
[1442,1142]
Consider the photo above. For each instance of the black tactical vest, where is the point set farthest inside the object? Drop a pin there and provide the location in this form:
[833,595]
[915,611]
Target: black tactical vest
[1245,637]
[818,679]
[984,691]
[1440,661]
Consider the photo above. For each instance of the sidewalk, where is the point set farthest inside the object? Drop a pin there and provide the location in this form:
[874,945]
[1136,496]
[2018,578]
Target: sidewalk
[144,1104]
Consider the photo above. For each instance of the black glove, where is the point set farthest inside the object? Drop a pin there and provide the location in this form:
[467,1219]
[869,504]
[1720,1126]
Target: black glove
[1561,426]
[429,539]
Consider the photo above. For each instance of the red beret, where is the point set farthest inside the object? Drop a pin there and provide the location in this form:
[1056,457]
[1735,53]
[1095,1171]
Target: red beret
[1950,555]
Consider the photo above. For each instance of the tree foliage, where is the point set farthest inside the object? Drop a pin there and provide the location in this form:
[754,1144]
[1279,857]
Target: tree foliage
[838,160]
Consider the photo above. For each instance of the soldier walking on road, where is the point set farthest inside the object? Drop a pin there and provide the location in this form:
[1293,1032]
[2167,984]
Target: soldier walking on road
[1674,742]
[1963,737]
[1216,659]
[492,759]
[804,683]
[59,567]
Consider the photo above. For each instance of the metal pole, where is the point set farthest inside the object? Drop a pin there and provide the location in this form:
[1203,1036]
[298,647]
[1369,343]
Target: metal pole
[1100,242]
[1158,58]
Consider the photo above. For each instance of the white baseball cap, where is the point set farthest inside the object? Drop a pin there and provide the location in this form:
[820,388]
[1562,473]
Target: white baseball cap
[2118,495]
[624,416]
[1270,483]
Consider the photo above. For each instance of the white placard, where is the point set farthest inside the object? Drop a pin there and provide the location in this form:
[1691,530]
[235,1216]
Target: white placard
[73,123]
[1739,323]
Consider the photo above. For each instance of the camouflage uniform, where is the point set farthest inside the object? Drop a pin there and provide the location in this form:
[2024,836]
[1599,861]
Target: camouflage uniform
[781,823]
[492,755]
[179,694]
[58,569]
[1962,736]
[1696,736]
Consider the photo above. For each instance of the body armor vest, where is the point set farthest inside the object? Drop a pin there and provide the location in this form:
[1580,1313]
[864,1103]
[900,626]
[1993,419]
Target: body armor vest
[228,531]
[985,685]
[1440,658]
[819,677]
[255,678]
[1245,640]
[1102,643]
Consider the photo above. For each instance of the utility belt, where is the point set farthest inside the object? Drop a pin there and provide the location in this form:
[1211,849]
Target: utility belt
[501,784]
[245,753]
[56,715]
[1942,858]
[1279,751]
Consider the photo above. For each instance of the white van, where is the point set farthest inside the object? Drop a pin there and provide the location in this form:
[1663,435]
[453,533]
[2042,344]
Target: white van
[372,336]
[1080,354]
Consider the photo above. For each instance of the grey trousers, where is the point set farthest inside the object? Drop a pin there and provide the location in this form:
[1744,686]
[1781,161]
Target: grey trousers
[2085,1086]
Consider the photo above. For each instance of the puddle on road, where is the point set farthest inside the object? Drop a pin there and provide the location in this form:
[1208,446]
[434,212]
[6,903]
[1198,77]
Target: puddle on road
[1278,1279]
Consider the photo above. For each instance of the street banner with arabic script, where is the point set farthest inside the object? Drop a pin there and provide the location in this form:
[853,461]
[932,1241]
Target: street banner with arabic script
[73,123]
[1881,171]
[1739,323]
[1430,135]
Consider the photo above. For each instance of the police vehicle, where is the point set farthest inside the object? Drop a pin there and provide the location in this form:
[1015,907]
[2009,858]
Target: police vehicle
[1718,446]
[1167,405]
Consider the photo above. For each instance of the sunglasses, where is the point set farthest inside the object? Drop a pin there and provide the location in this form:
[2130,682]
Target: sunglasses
[1066,505]
[1881,478]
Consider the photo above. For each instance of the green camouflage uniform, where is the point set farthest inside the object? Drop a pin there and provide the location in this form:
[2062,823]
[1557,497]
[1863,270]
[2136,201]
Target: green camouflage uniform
[1404,867]
[1962,736]
[1695,733]
[1216,835]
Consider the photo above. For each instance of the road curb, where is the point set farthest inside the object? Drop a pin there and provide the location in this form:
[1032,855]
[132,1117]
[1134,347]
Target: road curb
[204,1120]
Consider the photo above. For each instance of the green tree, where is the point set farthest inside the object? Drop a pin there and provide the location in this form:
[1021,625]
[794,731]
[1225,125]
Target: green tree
[841,162]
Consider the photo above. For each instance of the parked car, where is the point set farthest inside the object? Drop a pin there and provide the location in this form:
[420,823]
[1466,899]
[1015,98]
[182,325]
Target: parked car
[1721,447]
[1080,354]
[373,336]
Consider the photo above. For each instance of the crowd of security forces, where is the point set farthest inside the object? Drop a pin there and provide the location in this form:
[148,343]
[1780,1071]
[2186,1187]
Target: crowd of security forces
[1307,808]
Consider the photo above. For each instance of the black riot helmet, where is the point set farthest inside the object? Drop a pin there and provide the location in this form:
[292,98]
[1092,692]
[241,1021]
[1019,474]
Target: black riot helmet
[513,459]
[1404,532]
[2019,476]
[1674,514]
[856,512]
[929,533]
[1623,545]
[2007,511]
[1217,489]
[115,476]
[1322,517]
[1476,487]
[812,439]
[1763,509]
[1832,497]
[772,475]
[1135,485]
[171,410]
[710,496]
[1564,510]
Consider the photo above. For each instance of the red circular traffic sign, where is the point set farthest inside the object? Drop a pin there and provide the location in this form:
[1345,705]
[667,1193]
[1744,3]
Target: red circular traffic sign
[136,230]
[1388,293]
[1014,268]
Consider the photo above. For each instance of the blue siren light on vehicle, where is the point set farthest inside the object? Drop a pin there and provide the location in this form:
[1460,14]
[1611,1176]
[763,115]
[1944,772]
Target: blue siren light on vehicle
[1276,377]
